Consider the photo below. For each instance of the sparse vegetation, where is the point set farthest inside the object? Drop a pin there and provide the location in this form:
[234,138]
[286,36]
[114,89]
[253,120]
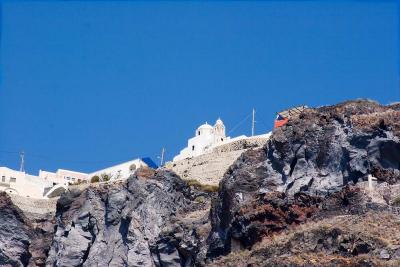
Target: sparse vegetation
[145,172]
[105,177]
[200,199]
[396,201]
[379,230]
[95,179]
[202,187]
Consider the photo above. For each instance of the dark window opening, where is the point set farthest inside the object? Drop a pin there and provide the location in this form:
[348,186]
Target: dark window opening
[198,132]
[192,148]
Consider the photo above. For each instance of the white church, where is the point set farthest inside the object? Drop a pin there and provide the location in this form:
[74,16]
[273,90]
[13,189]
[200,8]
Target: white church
[206,137]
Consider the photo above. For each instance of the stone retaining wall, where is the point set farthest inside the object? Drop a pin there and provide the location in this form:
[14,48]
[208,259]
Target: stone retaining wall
[209,168]
[35,206]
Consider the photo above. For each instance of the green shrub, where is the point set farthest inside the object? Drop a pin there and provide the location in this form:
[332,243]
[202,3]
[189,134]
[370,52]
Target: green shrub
[200,199]
[105,177]
[95,179]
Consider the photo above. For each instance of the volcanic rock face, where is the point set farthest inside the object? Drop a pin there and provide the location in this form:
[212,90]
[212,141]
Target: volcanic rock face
[15,235]
[22,242]
[306,174]
[121,224]
[317,154]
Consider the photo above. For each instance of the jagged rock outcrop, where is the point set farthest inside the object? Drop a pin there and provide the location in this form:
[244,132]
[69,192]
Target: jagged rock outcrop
[15,234]
[317,154]
[23,241]
[126,224]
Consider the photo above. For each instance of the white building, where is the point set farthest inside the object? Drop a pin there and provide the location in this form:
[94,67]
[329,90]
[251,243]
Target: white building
[123,170]
[206,136]
[23,184]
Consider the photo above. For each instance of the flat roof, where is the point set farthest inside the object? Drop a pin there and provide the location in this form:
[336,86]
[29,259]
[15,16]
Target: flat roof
[71,171]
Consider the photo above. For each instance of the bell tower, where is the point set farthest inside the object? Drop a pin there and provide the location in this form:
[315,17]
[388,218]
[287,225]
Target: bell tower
[219,131]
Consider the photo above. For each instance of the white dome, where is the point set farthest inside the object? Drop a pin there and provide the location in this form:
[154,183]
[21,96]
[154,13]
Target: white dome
[205,126]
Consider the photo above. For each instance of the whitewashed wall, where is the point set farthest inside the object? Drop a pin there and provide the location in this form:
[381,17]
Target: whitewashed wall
[24,184]
[120,171]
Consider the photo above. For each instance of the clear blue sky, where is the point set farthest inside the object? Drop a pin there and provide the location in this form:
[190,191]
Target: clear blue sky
[88,84]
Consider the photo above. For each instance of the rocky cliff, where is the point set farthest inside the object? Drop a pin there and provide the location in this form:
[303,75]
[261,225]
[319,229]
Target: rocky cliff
[123,224]
[23,241]
[306,163]
[297,201]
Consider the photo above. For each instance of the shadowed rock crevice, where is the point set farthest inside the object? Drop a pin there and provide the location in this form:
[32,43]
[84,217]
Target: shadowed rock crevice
[124,229]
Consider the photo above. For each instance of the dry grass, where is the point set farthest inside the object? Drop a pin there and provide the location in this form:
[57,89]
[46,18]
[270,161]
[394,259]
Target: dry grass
[292,246]
[383,227]
[377,120]
[202,187]
[145,172]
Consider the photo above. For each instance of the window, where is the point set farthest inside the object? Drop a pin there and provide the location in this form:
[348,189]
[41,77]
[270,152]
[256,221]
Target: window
[68,178]
[198,132]
[73,179]
[13,180]
[3,179]
[192,148]
[222,139]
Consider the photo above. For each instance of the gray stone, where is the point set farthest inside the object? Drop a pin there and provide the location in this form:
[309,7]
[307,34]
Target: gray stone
[384,254]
